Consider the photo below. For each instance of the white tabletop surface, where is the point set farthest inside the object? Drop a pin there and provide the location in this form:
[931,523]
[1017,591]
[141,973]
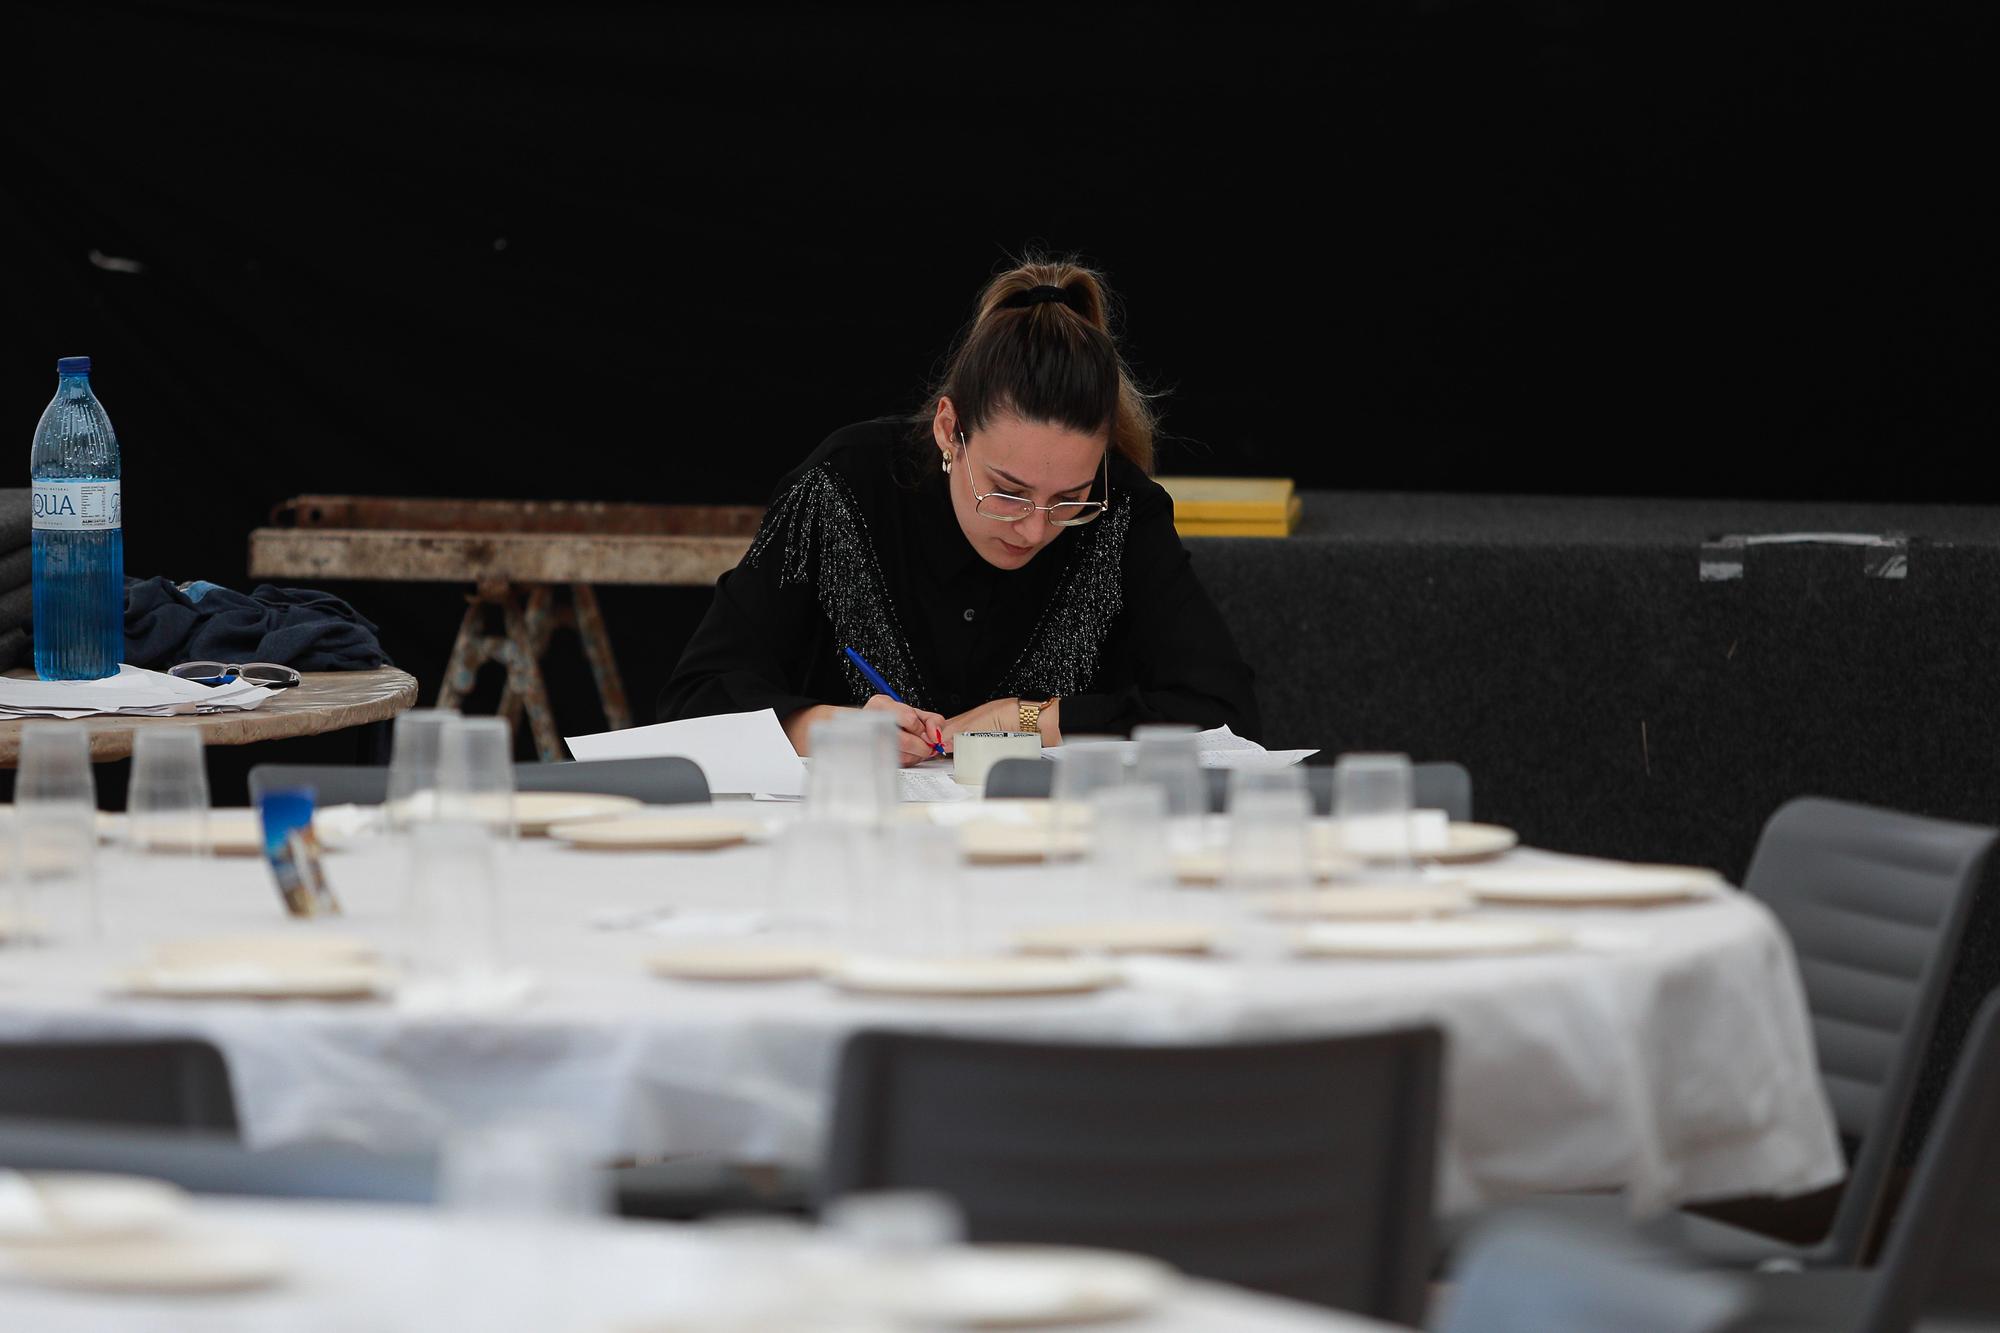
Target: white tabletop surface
[351,1267]
[1671,1057]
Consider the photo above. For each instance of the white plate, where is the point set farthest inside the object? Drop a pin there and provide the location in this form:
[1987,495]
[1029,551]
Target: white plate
[1471,842]
[1021,1286]
[1118,937]
[289,950]
[536,812]
[971,976]
[1429,939]
[1587,886]
[1367,902]
[170,1263]
[87,1206]
[987,843]
[671,833]
[734,962]
[230,831]
[260,981]
[1211,866]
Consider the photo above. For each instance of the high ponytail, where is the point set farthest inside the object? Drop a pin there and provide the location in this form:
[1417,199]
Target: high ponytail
[1040,346]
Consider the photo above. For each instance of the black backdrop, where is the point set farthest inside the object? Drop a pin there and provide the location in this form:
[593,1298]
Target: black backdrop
[628,252]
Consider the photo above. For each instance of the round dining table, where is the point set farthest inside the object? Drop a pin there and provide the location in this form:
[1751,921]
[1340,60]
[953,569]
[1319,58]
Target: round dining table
[1664,1050]
[334,1267]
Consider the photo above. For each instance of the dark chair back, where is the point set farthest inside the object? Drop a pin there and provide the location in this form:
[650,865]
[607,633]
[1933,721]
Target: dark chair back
[216,1164]
[172,1084]
[1875,902]
[1942,1257]
[1301,1168]
[334,784]
[667,780]
[1530,1274]
[1034,778]
[1433,786]
[1437,786]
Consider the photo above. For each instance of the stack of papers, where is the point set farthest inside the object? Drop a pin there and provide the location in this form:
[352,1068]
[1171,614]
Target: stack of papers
[741,753]
[133,692]
[1218,748]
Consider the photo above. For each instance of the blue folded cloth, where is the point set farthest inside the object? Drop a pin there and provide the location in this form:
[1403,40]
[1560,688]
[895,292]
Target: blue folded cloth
[300,627]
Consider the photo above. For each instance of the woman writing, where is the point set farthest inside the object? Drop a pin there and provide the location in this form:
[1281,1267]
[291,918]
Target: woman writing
[1007,564]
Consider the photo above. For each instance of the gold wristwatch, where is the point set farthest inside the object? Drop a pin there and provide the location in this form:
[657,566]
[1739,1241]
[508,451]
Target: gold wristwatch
[1031,715]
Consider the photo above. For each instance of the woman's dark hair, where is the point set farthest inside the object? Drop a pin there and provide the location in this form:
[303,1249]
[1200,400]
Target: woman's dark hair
[1040,347]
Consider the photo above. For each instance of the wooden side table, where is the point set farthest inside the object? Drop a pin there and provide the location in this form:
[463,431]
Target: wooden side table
[327,701]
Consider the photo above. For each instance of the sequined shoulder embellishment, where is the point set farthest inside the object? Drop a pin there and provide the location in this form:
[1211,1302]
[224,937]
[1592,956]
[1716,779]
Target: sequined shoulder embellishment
[1062,655]
[817,534]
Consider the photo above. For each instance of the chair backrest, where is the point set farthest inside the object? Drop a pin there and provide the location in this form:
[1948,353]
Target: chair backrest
[1034,778]
[334,784]
[1301,1168]
[1438,786]
[1875,902]
[667,780]
[1942,1257]
[216,1164]
[1529,1274]
[171,1084]
[1442,785]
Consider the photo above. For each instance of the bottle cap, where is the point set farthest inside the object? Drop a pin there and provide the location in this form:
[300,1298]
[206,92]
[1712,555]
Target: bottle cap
[73,365]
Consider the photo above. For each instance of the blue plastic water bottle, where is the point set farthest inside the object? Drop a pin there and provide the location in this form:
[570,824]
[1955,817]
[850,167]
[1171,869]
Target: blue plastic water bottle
[79,534]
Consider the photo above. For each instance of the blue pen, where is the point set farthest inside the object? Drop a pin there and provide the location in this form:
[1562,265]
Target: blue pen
[881,686]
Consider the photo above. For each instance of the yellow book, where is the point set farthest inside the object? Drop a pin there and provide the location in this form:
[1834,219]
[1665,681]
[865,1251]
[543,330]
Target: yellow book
[1241,527]
[1230,499]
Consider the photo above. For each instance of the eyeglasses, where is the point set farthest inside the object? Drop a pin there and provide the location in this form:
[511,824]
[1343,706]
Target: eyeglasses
[1004,508]
[270,675]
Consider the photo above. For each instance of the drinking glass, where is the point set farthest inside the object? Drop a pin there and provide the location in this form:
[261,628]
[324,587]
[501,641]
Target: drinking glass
[454,903]
[913,906]
[852,778]
[1088,764]
[1167,755]
[1129,856]
[475,773]
[1371,800]
[55,831]
[1268,846]
[413,765]
[1252,781]
[519,1187]
[166,803]
[816,876]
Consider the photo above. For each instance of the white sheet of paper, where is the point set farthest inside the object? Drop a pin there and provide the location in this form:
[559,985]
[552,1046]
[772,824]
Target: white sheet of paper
[1219,747]
[740,752]
[928,785]
[134,691]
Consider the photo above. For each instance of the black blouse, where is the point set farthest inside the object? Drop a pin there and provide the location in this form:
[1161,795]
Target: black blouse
[860,549]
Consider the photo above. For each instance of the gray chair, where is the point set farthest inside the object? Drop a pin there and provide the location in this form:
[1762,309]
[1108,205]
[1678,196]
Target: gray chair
[667,780]
[1433,786]
[1875,903]
[334,784]
[1015,778]
[1528,1274]
[1941,1262]
[218,1164]
[1301,1168]
[168,1084]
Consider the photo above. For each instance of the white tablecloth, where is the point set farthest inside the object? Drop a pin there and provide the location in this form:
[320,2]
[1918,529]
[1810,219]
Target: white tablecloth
[1675,1061]
[408,1270]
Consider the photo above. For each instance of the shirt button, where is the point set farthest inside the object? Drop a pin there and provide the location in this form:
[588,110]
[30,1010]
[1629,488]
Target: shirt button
[968,613]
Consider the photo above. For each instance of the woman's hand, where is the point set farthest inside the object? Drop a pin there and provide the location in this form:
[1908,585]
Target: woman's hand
[914,727]
[916,730]
[1003,715]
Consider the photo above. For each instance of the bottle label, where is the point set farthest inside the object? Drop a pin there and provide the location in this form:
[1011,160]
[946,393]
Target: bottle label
[77,506]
